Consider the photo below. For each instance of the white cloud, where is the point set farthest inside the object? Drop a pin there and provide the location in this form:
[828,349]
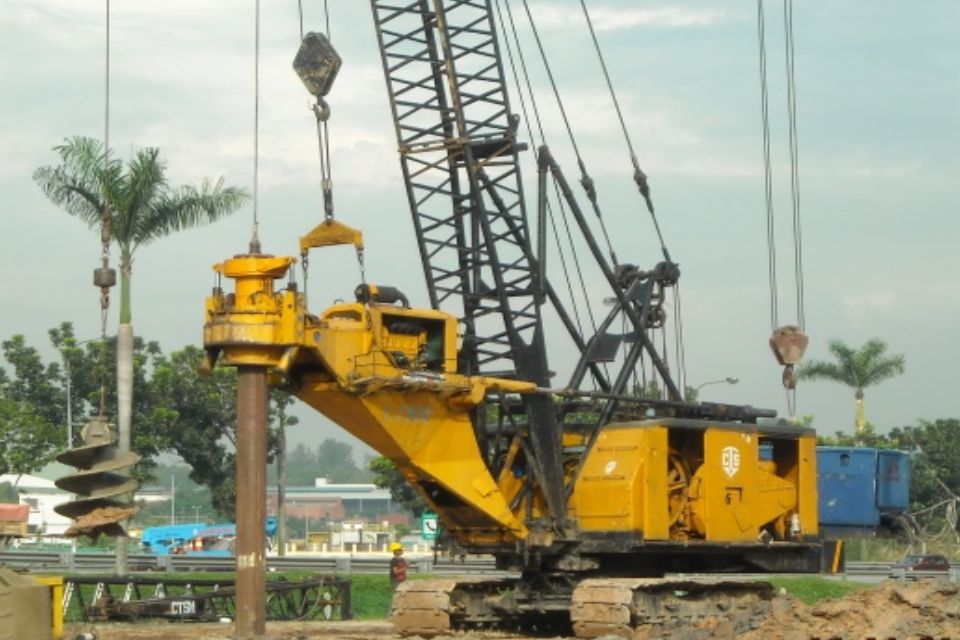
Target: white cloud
[862,165]
[612,19]
[860,306]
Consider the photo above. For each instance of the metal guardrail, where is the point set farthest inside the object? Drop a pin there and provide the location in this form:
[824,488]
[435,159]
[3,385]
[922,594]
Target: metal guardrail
[105,562]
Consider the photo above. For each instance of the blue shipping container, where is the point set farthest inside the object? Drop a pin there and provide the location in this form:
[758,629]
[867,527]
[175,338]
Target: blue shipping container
[847,486]
[893,488]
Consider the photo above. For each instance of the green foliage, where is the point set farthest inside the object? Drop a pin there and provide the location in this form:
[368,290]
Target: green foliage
[32,409]
[29,442]
[387,476]
[192,500]
[8,495]
[332,459]
[176,409]
[935,461]
[194,416]
[143,205]
[371,596]
[857,368]
[813,589]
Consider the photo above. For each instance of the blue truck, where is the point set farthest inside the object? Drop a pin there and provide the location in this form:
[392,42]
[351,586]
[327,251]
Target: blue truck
[196,538]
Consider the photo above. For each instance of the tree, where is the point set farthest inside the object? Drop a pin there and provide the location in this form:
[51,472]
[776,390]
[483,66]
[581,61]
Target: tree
[31,415]
[857,368]
[29,442]
[194,415]
[332,459]
[143,207]
[89,183]
[8,495]
[387,476]
[935,449]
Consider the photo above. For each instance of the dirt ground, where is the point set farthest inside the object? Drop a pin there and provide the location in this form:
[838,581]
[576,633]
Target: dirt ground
[891,611]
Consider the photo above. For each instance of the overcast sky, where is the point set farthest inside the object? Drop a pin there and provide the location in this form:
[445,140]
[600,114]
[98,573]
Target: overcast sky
[879,123]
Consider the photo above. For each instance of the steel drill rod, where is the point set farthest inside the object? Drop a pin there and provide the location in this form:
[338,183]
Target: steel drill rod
[251,472]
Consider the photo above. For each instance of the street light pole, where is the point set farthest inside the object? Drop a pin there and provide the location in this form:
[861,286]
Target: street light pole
[727,380]
[69,376]
[68,385]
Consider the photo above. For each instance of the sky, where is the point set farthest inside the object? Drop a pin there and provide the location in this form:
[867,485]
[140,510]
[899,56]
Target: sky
[878,111]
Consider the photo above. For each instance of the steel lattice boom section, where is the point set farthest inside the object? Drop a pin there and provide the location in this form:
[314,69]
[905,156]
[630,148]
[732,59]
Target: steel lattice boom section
[459,159]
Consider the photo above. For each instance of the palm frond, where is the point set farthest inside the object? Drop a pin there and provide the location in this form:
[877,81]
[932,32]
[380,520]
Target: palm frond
[142,205]
[857,368]
[885,369]
[143,183]
[821,370]
[79,182]
[188,207]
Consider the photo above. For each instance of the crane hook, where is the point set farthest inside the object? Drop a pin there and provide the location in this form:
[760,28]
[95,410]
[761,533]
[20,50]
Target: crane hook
[789,344]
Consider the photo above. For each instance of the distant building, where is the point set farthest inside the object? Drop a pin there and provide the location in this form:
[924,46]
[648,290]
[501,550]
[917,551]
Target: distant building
[326,500]
[42,496]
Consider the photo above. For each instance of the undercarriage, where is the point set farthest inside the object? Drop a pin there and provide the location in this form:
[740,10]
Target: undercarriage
[590,608]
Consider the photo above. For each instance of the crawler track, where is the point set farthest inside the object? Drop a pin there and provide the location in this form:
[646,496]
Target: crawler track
[634,607]
[623,607]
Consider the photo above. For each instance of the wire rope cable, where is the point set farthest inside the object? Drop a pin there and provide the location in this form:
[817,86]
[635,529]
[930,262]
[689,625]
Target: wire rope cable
[794,158]
[563,214]
[767,170]
[680,348]
[585,180]
[639,177]
[106,220]
[255,238]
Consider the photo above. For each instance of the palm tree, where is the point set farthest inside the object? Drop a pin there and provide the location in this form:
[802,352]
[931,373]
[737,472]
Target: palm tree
[143,207]
[858,368]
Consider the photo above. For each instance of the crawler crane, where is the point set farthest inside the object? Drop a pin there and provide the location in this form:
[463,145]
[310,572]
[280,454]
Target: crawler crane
[585,489]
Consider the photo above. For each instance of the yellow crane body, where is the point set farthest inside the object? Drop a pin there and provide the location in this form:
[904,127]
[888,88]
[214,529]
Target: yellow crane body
[388,375]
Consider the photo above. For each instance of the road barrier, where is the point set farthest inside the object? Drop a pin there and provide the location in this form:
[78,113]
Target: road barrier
[102,562]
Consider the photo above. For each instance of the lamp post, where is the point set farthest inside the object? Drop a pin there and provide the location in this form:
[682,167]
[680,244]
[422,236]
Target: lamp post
[728,380]
[68,384]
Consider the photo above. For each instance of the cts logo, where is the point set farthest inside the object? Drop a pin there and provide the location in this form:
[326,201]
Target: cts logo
[730,460]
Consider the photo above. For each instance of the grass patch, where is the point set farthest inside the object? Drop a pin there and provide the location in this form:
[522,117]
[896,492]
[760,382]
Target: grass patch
[371,596]
[813,589]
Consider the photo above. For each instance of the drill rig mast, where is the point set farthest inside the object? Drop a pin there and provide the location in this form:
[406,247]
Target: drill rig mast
[583,487]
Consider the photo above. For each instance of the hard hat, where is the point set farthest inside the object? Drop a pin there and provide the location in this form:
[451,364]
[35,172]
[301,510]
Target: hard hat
[396,546]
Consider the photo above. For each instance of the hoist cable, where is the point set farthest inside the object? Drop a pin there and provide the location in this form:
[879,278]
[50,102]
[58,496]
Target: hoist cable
[681,352]
[553,84]
[105,224]
[585,180]
[794,158]
[639,177]
[300,15]
[326,167]
[326,16]
[565,218]
[536,112]
[255,239]
[526,74]
[767,170]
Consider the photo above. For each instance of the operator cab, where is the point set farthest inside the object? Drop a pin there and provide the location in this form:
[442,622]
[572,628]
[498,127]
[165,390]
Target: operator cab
[412,339]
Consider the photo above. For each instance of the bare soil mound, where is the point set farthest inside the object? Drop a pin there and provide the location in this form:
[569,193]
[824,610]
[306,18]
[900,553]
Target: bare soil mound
[901,610]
